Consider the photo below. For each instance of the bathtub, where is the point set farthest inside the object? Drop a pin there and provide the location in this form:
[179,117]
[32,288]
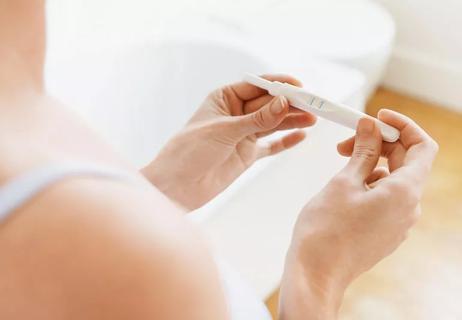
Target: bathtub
[138,96]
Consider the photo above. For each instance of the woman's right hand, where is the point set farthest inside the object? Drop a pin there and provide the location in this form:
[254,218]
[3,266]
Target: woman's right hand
[358,219]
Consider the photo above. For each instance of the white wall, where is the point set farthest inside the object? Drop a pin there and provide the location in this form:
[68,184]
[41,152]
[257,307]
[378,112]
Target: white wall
[427,61]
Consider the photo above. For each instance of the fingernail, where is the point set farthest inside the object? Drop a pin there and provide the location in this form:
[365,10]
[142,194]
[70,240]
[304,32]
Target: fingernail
[278,105]
[366,126]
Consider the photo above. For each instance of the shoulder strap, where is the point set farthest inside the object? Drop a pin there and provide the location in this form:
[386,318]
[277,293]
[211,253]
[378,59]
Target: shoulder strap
[24,187]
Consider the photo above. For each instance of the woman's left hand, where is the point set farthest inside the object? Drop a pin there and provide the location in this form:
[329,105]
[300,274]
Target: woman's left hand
[221,141]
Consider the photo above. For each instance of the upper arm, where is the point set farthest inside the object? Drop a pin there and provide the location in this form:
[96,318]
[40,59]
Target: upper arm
[101,250]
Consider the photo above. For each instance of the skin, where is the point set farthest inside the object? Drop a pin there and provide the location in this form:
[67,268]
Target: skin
[221,141]
[359,218]
[86,248]
[23,44]
[91,248]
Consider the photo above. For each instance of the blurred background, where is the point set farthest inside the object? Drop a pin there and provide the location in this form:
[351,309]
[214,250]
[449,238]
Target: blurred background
[136,70]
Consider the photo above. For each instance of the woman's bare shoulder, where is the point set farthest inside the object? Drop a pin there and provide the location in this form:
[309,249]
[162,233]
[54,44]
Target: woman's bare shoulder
[95,249]
[36,130]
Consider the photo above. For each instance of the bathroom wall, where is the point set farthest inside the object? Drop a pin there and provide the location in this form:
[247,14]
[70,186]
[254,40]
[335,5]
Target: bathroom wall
[427,60]
[110,22]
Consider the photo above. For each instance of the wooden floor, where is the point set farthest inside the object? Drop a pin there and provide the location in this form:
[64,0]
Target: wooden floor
[423,279]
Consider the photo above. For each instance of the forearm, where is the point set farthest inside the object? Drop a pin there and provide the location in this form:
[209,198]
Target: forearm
[164,184]
[306,294]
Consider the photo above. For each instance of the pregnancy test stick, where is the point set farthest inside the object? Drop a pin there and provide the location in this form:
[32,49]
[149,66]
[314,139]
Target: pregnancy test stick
[336,112]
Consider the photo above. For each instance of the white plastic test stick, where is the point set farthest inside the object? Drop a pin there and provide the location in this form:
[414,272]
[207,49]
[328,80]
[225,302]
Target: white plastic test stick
[324,108]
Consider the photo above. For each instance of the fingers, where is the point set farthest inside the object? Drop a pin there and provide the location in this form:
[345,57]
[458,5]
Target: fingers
[366,150]
[246,91]
[262,120]
[409,159]
[291,121]
[376,175]
[295,119]
[255,104]
[414,146]
[394,152]
[345,148]
[419,149]
[420,146]
[410,133]
[280,145]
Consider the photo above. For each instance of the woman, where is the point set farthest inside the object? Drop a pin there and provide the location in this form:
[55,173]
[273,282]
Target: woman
[96,239]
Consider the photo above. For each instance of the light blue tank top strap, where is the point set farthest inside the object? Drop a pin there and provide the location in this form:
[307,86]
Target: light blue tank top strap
[242,303]
[24,187]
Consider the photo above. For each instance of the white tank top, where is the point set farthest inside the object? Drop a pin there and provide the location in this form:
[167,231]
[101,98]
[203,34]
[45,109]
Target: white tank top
[243,303]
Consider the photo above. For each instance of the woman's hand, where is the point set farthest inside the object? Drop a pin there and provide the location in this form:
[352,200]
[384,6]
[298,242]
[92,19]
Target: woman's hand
[221,141]
[359,218]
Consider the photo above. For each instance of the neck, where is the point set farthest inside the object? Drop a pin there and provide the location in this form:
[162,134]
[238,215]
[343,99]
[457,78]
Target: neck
[22,45]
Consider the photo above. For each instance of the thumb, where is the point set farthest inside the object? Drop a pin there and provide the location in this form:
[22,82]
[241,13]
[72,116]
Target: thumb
[264,119]
[367,149]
